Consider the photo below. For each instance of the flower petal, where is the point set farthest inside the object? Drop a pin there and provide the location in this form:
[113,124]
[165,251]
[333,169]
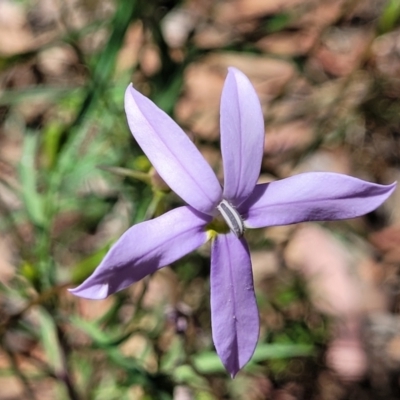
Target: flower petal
[171,152]
[143,249]
[315,196]
[234,313]
[242,136]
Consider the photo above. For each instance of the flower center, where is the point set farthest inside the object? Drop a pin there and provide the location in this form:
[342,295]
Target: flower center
[231,217]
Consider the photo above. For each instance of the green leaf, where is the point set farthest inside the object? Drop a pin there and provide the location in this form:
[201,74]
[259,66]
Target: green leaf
[267,351]
[84,268]
[104,65]
[51,138]
[16,96]
[100,337]
[27,172]
[186,374]
[278,22]
[28,271]
[209,362]
[49,340]
[174,356]
[390,16]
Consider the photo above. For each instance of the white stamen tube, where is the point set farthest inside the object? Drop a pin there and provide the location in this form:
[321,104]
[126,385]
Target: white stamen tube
[231,217]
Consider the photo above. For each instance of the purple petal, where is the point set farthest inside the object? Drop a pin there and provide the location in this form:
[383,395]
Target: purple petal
[234,313]
[172,154]
[316,196]
[143,249]
[242,136]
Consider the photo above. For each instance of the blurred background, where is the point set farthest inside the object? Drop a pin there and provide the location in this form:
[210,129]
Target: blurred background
[72,180]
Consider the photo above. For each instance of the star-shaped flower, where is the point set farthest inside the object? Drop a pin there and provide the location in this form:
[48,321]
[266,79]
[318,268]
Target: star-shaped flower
[241,203]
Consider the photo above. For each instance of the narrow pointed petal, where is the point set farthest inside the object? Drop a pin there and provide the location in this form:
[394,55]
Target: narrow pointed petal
[242,136]
[143,249]
[234,313]
[316,196]
[171,152]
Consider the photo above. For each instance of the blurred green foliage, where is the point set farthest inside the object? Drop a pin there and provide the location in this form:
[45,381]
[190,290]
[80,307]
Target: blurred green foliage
[79,167]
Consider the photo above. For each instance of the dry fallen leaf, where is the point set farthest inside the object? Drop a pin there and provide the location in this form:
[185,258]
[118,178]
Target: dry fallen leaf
[346,355]
[293,136]
[198,108]
[343,50]
[289,43]
[325,263]
[387,241]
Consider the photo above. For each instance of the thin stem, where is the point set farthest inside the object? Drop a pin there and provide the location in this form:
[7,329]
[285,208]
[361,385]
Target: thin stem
[65,377]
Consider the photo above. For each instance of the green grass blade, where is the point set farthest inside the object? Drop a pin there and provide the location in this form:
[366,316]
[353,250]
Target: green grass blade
[28,177]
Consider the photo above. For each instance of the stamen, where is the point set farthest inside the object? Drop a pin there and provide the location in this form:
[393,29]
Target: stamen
[231,217]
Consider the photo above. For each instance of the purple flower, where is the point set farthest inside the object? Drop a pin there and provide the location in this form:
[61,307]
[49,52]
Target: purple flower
[241,203]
